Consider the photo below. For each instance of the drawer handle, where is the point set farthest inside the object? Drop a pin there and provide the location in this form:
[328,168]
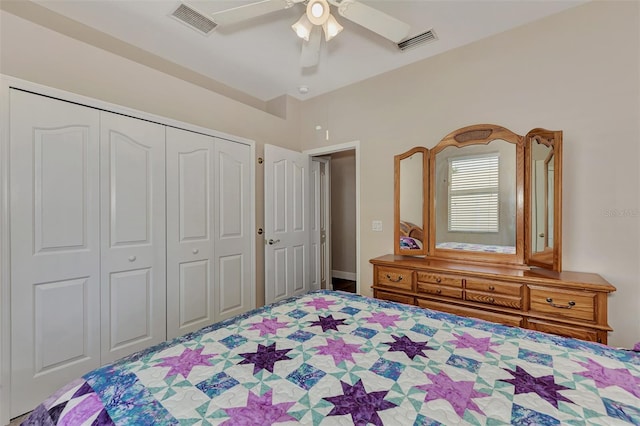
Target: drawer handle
[570,305]
[132,258]
[491,288]
[438,279]
[491,300]
[395,281]
[438,291]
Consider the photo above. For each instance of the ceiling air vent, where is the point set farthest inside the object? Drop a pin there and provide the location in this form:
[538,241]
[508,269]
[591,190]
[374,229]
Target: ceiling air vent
[194,19]
[412,42]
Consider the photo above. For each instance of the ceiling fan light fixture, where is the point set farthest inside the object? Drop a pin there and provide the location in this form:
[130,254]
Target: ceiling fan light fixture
[331,28]
[318,11]
[303,27]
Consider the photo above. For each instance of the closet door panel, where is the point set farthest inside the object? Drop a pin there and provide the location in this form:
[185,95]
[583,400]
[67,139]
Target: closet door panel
[189,231]
[232,236]
[55,252]
[133,255]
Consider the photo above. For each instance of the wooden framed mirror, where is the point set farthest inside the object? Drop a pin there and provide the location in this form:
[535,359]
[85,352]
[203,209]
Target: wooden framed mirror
[476,207]
[543,199]
[482,194]
[410,201]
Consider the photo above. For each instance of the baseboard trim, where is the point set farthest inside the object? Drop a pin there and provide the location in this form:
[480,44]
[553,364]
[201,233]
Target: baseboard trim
[344,275]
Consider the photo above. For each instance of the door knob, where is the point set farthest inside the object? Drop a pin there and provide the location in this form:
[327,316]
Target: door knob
[272,241]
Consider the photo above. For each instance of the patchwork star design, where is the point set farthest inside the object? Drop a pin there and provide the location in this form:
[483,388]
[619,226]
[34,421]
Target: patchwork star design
[383,319]
[481,345]
[259,410]
[408,346]
[605,377]
[265,357]
[184,363]
[459,394]
[544,386]
[328,323]
[320,303]
[339,350]
[269,326]
[362,405]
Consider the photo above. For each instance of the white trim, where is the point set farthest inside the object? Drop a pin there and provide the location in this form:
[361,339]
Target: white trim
[7,83]
[344,275]
[355,145]
[5,260]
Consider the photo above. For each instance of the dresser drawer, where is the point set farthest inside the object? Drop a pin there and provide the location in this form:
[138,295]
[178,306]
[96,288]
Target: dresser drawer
[394,277]
[441,279]
[400,298]
[513,320]
[564,303]
[509,289]
[566,331]
[493,299]
[439,290]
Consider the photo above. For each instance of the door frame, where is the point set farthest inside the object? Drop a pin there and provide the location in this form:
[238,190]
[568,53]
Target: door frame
[348,146]
[6,84]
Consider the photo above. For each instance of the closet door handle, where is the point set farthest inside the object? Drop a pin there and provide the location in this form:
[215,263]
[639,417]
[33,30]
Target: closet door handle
[272,242]
[132,258]
[195,251]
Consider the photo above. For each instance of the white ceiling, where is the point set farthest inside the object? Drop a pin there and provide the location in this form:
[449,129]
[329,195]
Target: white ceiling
[261,57]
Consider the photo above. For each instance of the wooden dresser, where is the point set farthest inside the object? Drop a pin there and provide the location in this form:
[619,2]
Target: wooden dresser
[571,304]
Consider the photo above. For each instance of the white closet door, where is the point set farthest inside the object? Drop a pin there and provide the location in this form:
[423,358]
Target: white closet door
[233,284]
[133,269]
[55,252]
[189,231]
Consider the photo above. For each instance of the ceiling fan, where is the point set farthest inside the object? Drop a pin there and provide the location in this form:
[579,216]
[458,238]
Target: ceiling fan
[317,19]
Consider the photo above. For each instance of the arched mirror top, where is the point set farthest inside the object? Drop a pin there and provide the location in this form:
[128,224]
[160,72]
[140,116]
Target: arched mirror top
[476,135]
[410,200]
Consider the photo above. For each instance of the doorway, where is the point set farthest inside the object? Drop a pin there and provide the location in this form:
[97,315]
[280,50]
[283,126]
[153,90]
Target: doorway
[342,250]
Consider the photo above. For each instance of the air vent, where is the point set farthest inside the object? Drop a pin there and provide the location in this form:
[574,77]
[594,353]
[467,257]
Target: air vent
[425,37]
[194,19]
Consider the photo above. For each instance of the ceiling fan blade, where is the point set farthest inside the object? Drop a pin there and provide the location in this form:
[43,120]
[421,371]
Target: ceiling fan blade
[310,55]
[249,11]
[379,22]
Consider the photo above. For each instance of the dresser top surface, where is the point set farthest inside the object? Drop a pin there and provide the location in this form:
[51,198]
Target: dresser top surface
[532,275]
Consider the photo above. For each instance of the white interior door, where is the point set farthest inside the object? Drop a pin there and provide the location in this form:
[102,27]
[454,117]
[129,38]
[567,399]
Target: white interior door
[133,269]
[286,201]
[315,245]
[325,223]
[55,250]
[320,223]
[233,278]
[538,227]
[190,208]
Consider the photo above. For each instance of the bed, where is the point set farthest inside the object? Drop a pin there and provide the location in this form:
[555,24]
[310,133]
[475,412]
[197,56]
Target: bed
[337,358]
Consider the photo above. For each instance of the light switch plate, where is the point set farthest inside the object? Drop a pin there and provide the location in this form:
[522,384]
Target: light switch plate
[376,225]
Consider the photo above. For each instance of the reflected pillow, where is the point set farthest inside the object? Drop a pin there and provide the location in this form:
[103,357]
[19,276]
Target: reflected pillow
[408,243]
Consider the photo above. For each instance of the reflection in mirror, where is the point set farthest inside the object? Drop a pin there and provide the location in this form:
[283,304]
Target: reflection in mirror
[475,198]
[543,192]
[542,195]
[410,201]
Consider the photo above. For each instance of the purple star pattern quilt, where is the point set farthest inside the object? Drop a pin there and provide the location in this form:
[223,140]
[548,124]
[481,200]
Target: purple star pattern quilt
[330,358]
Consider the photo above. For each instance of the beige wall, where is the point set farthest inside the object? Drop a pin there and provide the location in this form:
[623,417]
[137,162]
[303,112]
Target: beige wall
[343,211]
[577,71]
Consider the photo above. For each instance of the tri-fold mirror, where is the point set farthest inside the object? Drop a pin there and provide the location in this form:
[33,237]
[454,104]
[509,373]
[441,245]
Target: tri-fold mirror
[484,194]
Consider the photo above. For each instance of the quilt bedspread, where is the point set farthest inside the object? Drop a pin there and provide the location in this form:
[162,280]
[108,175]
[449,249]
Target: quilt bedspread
[330,358]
